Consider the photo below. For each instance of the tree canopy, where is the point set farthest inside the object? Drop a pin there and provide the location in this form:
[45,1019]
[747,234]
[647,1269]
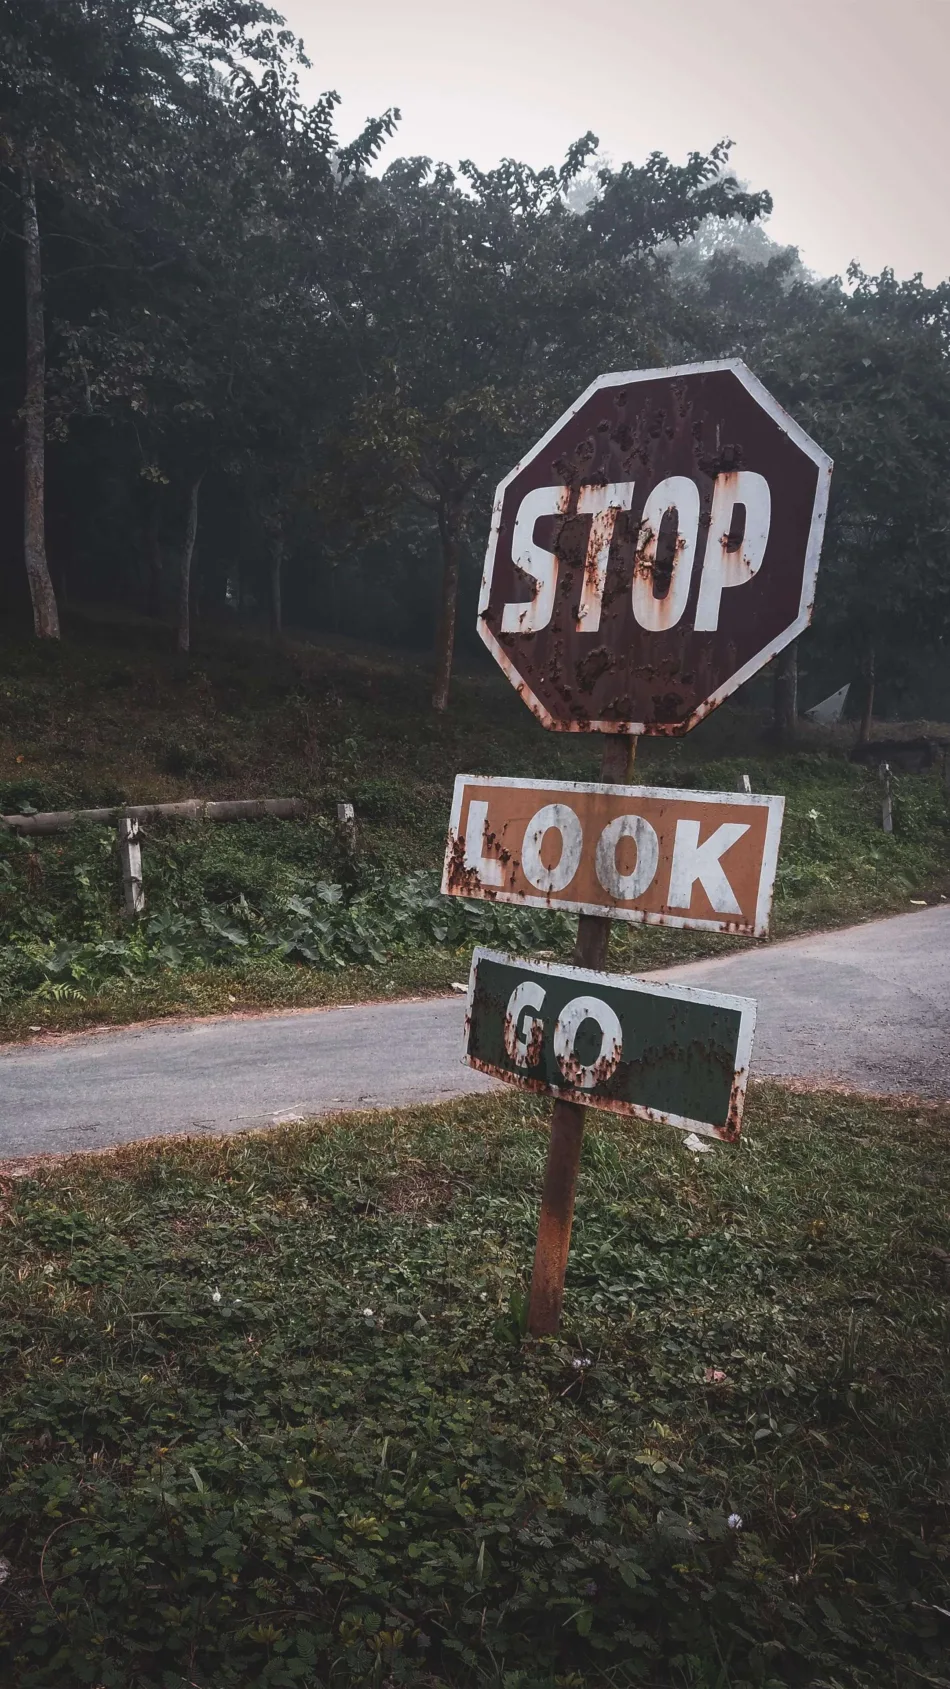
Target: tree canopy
[249,370]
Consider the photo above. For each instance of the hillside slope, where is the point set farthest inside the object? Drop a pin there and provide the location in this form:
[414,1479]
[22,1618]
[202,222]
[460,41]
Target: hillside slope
[283,912]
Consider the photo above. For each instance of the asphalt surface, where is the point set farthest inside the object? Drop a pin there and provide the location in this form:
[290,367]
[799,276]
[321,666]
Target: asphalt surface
[868,1007]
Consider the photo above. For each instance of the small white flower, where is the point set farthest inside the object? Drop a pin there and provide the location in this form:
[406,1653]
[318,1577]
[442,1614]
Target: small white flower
[367,1313]
[215,1294]
[813,815]
[579,1362]
[734,1521]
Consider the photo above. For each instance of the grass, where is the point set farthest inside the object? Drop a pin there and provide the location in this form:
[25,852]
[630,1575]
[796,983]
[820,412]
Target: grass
[269,1417]
[113,717]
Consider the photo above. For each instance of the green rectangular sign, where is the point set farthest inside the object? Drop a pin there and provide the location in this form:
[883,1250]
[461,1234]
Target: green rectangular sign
[662,1052]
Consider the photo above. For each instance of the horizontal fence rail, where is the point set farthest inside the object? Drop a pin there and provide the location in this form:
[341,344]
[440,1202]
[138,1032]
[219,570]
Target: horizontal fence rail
[192,809]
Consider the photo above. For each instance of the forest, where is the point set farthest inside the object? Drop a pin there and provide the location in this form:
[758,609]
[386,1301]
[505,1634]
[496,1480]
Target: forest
[271,1413]
[253,373]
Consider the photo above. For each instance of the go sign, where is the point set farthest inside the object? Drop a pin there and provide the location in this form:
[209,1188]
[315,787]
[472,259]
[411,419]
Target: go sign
[661,1052]
[654,549]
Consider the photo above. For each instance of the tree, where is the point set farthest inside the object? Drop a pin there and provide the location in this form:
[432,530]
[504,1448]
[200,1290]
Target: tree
[219,347]
[785,708]
[877,394]
[482,304]
[56,94]
[866,369]
[86,87]
[45,611]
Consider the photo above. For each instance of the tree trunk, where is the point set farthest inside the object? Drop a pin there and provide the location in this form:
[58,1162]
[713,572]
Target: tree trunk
[184,580]
[449,524]
[153,563]
[867,717]
[785,705]
[45,612]
[276,572]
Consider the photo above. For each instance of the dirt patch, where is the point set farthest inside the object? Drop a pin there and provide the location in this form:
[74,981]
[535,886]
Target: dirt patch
[803,1087]
[418,1192]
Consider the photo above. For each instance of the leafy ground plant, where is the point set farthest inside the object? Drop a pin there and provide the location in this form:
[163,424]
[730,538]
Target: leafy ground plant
[281,913]
[270,1416]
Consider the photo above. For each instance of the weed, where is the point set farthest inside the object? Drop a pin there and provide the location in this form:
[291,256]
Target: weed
[270,1417]
[280,912]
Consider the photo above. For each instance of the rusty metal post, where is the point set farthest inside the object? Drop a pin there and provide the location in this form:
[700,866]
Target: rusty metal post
[567,1119]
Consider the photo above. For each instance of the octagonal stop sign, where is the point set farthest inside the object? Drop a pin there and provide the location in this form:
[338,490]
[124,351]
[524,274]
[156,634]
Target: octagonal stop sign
[654,549]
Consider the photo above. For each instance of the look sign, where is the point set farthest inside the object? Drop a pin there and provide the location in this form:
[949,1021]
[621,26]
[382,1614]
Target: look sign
[635,853]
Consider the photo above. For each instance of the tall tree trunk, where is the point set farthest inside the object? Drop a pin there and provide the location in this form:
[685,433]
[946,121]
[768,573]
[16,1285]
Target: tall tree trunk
[867,715]
[153,562]
[276,571]
[184,579]
[785,704]
[45,612]
[450,517]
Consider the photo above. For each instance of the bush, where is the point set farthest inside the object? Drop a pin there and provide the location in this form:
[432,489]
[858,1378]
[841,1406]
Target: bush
[210,904]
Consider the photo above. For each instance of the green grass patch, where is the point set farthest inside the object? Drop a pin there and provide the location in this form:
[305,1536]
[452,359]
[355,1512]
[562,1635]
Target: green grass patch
[269,1417]
[278,913]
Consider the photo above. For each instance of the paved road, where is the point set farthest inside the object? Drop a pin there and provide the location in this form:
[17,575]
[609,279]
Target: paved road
[868,1006]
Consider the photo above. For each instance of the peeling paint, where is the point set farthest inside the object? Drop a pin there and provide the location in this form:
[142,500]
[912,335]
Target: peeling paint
[604,820]
[592,666]
[675,1054]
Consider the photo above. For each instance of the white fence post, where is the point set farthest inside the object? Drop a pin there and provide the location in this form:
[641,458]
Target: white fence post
[130,851]
[346,816]
[887,811]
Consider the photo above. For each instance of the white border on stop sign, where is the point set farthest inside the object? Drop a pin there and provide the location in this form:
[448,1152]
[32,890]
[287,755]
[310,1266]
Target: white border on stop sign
[613,911]
[744,1006]
[788,425]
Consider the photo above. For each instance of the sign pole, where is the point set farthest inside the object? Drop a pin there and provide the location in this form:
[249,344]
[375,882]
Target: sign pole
[568,1119]
[739,590]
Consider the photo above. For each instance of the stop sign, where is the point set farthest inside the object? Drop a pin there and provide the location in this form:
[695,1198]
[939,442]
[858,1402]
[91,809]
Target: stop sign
[654,549]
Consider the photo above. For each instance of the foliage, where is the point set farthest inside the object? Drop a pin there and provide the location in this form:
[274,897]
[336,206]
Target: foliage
[313,924]
[235,305]
[484,299]
[269,1417]
[483,304]
[866,369]
[344,362]
[235,913]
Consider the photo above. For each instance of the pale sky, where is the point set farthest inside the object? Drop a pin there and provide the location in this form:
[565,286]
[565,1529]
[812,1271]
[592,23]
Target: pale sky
[840,107]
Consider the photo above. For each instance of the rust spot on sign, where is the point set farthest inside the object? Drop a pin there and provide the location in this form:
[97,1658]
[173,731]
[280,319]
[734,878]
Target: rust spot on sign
[706,425]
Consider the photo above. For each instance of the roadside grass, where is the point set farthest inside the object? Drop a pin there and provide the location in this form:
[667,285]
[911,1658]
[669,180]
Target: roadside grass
[95,722]
[269,1417]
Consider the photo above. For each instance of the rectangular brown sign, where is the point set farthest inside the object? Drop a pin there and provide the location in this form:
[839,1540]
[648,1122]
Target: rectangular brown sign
[636,853]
